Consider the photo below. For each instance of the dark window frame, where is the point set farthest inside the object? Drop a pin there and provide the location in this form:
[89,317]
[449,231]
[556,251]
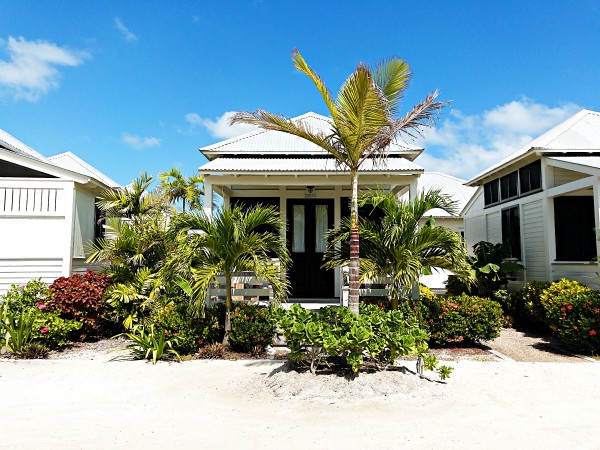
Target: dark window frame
[511,230]
[523,189]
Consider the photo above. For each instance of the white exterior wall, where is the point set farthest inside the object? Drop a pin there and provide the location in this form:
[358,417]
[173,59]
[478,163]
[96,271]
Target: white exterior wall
[84,222]
[533,238]
[493,223]
[33,229]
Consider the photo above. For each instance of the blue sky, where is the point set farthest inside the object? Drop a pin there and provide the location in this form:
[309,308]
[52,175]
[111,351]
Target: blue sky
[141,85]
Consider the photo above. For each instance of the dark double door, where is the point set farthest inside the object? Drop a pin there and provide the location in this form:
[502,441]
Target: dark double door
[308,220]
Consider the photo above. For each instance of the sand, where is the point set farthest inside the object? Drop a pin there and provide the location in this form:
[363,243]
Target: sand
[97,404]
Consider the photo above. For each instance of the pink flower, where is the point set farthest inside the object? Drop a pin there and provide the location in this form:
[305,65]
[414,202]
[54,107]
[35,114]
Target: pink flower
[44,330]
[41,306]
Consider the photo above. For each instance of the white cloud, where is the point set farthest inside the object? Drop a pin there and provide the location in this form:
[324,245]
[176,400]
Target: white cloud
[31,69]
[127,34]
[139,142]
[220,127]
[465,145]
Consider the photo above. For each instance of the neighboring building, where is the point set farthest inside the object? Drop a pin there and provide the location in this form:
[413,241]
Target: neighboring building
[544,202]
[308,187]
[47,213]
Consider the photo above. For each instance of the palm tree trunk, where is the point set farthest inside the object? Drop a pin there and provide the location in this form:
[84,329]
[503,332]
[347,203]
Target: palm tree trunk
[228,308]
[353,300]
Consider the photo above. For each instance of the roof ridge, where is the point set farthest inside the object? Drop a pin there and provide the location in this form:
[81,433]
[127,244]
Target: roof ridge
[446,175]
[571,121]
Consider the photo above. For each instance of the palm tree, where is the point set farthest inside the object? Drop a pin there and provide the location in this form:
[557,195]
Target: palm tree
[364,122]
[397,247]
[231,241]
[177,187]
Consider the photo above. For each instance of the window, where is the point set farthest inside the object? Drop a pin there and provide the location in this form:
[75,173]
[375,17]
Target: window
[298,229]
[509,186]
[491,194]
[511,231]
[574,228]
[99,222]
[530,177]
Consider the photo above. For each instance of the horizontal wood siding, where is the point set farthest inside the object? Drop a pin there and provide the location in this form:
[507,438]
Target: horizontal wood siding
[563,176]
[474,231]
[80,266]
[494,228]
[534,242]
[20,271]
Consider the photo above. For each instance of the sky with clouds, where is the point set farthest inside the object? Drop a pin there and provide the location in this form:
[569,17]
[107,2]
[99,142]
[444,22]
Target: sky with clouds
[141,85]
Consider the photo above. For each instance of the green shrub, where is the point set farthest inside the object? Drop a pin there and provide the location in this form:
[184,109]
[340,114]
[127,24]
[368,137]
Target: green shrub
[151,343]
[459,319]
[54,331]
[532,302]
[33,350]
[33,294]
[572,311]
[376,336]
[252,327]
[80,297]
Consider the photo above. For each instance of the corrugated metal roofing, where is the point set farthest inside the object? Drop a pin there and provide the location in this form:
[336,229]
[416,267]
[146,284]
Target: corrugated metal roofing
[272,165]
[589,161]
[276,142]
[14,145]
[72,162]
[449,185]
[581,132]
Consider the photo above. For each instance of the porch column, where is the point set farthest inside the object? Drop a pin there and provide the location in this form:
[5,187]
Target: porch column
[208,196]
[412,189]
[70,205]
[548,209]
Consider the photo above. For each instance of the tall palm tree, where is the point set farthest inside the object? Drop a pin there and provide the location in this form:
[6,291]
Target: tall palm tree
[232,241]
[397,247]
[177,187]
[364,122]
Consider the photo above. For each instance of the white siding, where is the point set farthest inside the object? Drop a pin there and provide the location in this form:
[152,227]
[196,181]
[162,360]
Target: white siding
[32,237]
[474,231]
[563,176]
[493,223]
[20,271]
[534,242]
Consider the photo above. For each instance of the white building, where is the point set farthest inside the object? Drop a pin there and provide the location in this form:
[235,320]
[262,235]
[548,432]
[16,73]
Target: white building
[309,189]
[544,201]
[47,213]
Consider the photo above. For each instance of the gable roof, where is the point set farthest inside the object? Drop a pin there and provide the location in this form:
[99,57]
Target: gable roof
[269,142]
[65,164]
[449,185]
[70,161]
[578,134]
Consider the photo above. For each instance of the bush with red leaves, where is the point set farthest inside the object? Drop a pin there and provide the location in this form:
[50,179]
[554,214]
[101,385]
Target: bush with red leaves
[80,297]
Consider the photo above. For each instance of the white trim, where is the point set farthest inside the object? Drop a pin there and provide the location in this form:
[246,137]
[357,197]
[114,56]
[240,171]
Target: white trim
[570,187]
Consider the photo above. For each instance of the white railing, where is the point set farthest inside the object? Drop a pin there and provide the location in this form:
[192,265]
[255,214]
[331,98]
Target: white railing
[370,289]
[245,287]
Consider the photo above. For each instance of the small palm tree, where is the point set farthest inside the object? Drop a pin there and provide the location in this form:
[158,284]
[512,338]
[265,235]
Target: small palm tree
[397,247]
[364,122]
[178,187]
[231,241]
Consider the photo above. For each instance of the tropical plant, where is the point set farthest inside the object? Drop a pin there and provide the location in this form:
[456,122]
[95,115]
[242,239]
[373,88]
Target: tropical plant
[252,328]
[233,240]
[396,247]
[22,297]
[177,187]
[152,343]
[364,122]
[33,350]
[17,328]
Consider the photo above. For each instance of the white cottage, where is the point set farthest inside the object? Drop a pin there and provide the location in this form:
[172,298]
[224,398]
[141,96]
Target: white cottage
[47,213]
[544,201]
[307,186]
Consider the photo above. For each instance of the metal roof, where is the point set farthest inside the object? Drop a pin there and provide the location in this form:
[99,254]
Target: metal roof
[449,185]
[14,145]
[581,132]
[303,165]
[276,142]
[72,162]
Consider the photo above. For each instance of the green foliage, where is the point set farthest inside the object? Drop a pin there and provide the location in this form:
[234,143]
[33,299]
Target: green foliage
[132,301]
[53,330]
[532,301]
[80,298]
[458,319]
[252,327]
[33,350]
[177,187]
[19,298]
[151,343]
[212,351]
[572,311]
[17,328]
[315,339]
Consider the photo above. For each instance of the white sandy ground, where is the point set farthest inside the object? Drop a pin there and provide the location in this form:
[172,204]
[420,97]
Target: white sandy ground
[96,404]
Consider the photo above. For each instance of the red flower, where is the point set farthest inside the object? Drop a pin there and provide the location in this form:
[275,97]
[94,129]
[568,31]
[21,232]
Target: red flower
[460,339]
[597,311]
[44,330]
[563,309]
[575,327]
[570,307]
[200,341]
[593,333]
[235,314]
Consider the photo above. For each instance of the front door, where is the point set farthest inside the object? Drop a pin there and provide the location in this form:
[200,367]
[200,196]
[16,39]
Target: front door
[308,220]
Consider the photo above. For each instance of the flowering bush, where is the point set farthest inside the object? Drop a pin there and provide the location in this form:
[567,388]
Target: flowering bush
[80,298]
[52,330]
[252,326]
[458,319]
[19,298]
[572,311]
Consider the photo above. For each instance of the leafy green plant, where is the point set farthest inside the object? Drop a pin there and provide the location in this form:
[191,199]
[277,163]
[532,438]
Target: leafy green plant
[21,297]
[491,266]
[572,311]
[252,327]
[530,299]
[458,319]
[33,350]
[53,330]
[153,343]
[17,327]
[378,337]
